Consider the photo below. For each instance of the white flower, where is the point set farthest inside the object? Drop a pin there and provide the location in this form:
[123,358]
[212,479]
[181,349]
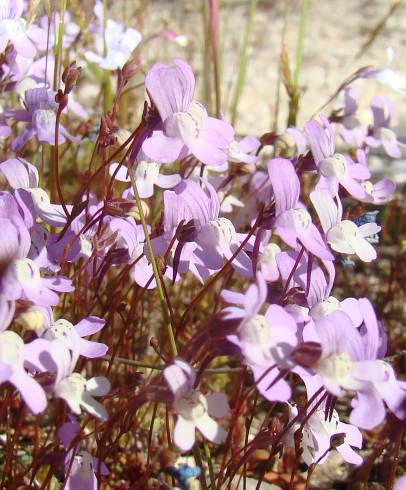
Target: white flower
[77,392]
[120,43]
[194,409]
[343,236]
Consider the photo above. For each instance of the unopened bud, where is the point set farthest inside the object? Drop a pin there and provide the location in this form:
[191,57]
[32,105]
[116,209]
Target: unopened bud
[153,342]
[129,70]
[70,76]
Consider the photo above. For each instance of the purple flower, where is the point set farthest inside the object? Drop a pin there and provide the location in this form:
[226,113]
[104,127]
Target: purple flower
[350,361]
[292,221]
[40,35]
[22,279]
[379,193]
[343,236]
[194,410]
[41,118]
[71,335]
[265,341]
[13,28]
[211,238]
[384,111]
[120,43]
[186,124]
[319,299]
[147,174]
[352,131]
[241,151]
[318,434]
[23,177]
[369,408]
[343,364]
[12,357]
[81,472]
[334,168]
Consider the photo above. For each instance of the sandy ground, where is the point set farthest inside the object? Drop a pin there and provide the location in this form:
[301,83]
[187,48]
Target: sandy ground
[336,30]
[335,33]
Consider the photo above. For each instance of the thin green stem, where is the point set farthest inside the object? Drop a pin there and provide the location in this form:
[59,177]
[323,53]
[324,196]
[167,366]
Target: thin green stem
[279,80]
[161,367]
[243,60]
[300,42]
[214,34]
[58,47]
[210,465]
[199,462]
[157,276]
[107,88]
[206,92]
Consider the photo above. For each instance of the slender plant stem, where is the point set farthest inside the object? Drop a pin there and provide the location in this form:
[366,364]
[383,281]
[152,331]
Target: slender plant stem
[206,92]
[279,80]
[210,465]
[161,367]
[300,42]
[157,277]
[214,31]
[243,60]
[199,462]
[58,47]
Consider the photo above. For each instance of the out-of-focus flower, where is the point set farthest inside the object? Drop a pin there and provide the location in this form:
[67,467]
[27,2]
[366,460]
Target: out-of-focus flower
[120,43]
[384,111]
[81,472]
[14,29]
[242,151]
[40,117]
[12,357]
[352,131]
[386,75]
[379,193]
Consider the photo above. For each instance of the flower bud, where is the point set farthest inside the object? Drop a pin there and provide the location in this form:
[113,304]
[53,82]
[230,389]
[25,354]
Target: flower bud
[129,70]
[70,76]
